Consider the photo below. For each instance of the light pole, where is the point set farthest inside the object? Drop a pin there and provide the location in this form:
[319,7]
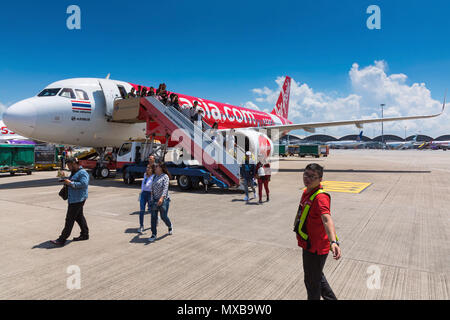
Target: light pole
[382,138]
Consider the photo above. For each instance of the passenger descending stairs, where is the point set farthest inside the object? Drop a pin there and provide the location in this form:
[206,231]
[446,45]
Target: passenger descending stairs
[167,121]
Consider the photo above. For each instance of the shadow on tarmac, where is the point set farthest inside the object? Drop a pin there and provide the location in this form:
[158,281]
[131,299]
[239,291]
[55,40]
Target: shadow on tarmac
[248,203]
[31,184]
[48,245]
[143,240]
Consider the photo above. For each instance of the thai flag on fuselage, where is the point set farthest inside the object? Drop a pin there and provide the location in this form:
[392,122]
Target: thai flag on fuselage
[81,105]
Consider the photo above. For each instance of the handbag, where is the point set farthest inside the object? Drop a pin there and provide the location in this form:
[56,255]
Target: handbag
[64,192]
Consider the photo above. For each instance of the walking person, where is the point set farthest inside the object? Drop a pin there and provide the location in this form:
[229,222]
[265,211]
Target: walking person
[193,111]
[63,159]
[160,199]
[263,174]
[132,93]
[151,92]
[77,185]
[315,233]
[247,172]
[146,195]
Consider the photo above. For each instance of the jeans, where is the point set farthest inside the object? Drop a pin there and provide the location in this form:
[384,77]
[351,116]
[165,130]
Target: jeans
[74,213]
[163,210]
[145,200]
[315,281]
[248,183]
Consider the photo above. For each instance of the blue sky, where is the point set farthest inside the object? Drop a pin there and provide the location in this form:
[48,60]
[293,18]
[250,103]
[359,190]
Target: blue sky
[221,50]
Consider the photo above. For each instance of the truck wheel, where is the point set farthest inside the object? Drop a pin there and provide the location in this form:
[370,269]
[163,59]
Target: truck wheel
[184,182]
[195,184]
[29,173]
[104,172]
[127,177]
[12,173]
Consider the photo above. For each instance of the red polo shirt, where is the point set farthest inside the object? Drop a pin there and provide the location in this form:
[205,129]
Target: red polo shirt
[320,244]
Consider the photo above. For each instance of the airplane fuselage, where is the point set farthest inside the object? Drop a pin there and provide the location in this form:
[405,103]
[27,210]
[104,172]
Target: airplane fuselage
[75,112]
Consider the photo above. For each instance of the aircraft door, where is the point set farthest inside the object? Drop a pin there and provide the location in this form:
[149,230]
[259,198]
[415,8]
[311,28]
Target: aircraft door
[111,93]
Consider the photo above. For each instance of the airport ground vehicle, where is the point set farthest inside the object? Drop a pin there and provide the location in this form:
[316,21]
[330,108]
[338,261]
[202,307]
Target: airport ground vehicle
[324,150]
[99,166]
[46,157]
[292,150]
[309,150]
[187,176]
[16,158]
[132,160]
[281,150]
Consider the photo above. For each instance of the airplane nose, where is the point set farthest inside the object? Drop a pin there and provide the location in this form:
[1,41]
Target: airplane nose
[21,118]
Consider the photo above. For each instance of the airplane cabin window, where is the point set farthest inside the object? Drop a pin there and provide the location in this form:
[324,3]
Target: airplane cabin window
[67,93]
[81,94]
[49,92]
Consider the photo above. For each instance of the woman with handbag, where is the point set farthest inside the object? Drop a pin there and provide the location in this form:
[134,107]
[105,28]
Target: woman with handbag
[263,173]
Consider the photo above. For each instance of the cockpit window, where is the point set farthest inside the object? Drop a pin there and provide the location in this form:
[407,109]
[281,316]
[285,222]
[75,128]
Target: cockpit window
[81,94]
[49,92]
[67,93]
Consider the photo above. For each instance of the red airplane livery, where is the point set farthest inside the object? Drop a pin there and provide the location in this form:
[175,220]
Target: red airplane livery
[234,117]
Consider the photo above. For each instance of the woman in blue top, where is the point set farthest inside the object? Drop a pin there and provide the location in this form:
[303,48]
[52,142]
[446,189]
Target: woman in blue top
[160,199]
[146,194]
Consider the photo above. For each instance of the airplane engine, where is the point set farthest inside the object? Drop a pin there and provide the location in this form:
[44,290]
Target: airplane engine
[256,142]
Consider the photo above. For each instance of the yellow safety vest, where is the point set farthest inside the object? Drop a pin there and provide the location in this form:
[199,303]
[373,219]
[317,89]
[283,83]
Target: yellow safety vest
[304,215]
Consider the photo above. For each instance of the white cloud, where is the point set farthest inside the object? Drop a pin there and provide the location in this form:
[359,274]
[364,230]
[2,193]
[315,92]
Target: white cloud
[250,105]
[371,86]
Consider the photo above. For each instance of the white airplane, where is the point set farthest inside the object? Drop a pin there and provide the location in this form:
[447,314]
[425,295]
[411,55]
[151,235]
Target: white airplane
[346,144]
[78,112]
[404,145]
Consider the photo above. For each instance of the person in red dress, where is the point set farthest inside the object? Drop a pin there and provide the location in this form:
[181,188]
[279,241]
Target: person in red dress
[263,176]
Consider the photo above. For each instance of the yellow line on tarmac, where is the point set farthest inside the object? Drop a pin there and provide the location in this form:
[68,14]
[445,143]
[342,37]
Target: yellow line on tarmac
[345,186]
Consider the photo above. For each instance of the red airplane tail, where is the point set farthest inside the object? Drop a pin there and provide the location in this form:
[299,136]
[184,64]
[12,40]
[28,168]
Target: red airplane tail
[282,107]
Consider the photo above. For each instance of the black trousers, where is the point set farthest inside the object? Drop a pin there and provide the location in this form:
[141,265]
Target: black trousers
[315,281]
[74,213]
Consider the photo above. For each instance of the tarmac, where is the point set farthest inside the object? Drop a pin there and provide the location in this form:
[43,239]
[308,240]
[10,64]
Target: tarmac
[394,236]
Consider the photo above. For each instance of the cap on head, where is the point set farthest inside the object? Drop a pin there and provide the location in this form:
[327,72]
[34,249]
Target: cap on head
[248,153]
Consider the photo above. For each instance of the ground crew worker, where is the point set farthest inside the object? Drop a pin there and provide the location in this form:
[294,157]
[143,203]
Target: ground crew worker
[315,233]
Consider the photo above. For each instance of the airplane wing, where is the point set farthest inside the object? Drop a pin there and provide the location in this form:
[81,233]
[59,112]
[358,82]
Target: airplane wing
[310,127]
